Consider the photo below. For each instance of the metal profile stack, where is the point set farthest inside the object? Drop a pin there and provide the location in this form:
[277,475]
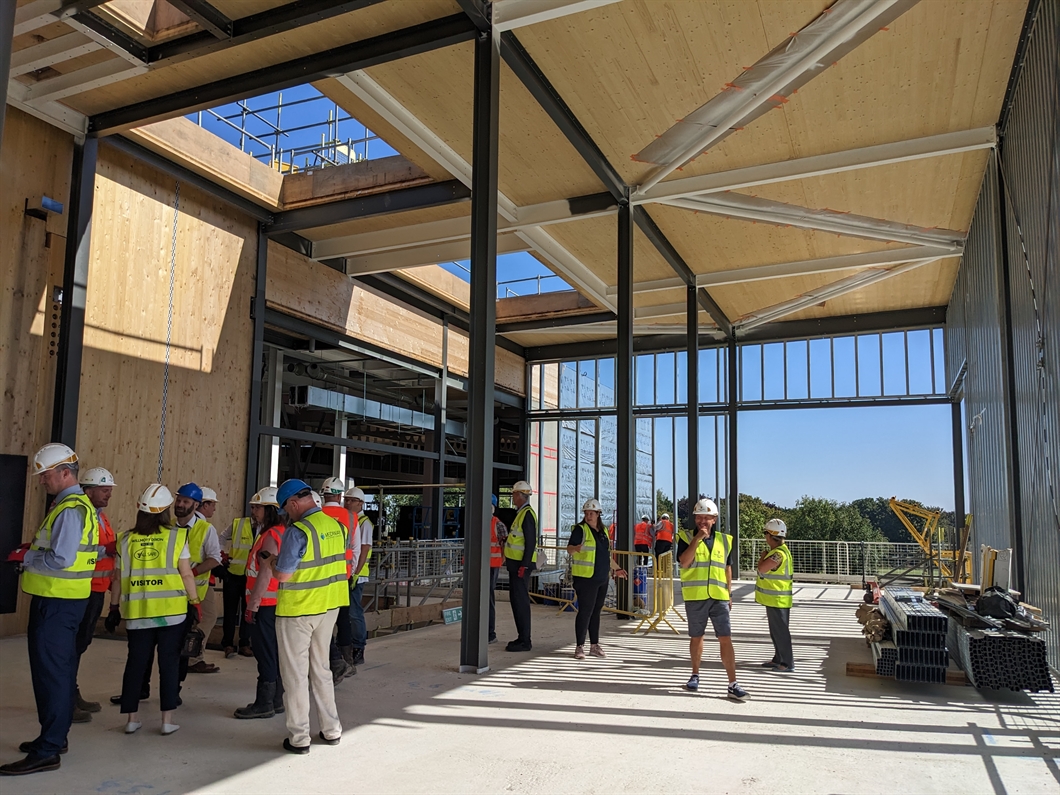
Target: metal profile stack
[885,655]
[919,631]
[1001,659]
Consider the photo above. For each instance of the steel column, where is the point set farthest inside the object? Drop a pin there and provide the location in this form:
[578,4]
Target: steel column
[441,394]
[257,363]
[75,293]
[7,31]
[481,349]
[957,431]
[626,476]
[692,381]
[732,508]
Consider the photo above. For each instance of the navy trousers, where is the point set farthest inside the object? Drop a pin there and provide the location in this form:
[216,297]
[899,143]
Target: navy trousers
[53,625]
[263,640]
[360,629]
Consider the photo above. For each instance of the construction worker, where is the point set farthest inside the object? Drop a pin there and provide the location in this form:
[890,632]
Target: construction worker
[311,572]
[98,485]
[261,605]
[341,649]
[591,567]
[664,535]
[773,591]
[361,533]
[498,533]
[205,546]
[158,598]
[520,557]
[642,537]
[705,559]
[57,573]
[235,542]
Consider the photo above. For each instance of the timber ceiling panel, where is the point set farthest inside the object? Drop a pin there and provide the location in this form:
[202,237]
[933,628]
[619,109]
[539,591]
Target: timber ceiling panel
[595,242]
[391,221]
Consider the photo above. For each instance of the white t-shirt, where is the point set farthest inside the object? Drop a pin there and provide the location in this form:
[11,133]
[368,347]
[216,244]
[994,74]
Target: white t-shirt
[160,621]
[364,538]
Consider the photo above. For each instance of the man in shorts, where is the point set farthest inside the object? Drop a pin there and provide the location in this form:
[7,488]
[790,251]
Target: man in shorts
[706,584]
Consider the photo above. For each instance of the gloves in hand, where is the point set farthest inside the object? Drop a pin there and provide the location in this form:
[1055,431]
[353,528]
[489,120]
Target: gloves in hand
[225,558]
[521,573]
[113,619]
[19,554]
[248,617]
[111,548]
[195,612]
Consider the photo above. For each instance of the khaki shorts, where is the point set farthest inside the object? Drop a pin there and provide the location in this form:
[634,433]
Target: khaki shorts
[699,610]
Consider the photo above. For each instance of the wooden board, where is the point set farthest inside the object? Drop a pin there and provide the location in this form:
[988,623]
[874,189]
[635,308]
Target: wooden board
[868,671]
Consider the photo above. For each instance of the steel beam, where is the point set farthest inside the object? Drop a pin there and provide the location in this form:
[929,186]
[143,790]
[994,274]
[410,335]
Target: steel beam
[49,53]
[957,438]
[257,361]
[692,399]
[732,485]
[626,472]
[512,14]
[208,17]
[330,63]
[926,317]
[75,293]
[563,321]
[481,354]
[106,35]
[441,399]
[80,81]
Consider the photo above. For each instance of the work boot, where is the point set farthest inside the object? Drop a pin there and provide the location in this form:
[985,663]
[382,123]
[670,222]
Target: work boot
[339,669]
[81,716]
[277,701]
[349,656]
[87,706]
[263,703]
[358,654]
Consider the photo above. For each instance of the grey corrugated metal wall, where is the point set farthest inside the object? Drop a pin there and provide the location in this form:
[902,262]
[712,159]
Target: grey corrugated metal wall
[1013,427]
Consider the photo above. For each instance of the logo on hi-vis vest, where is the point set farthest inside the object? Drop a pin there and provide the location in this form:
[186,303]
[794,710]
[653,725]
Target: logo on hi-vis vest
[330,534]
[145,582]
[146,554]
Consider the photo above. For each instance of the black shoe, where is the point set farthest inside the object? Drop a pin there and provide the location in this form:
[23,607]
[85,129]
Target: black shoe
[358,656]
[518,645]
[493,639]
[327,741]
[31,764]
[87,706]
[295,749]
[81,716]
[30,746]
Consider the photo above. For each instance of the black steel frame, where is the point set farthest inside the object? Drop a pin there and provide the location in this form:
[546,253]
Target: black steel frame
[625,465]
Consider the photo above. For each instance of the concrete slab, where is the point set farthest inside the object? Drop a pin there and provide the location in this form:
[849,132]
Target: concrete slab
[545,722]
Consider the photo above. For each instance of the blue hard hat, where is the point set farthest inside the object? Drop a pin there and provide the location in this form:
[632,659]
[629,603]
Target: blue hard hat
[190,490]
[495,501]
[289,488]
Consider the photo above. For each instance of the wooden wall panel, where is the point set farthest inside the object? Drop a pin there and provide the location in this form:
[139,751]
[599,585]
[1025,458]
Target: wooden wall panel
[36,161]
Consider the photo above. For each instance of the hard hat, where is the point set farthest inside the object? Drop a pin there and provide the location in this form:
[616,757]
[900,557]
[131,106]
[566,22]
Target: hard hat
[208,495]
[705,508]
[265,496]
[645,518]
[776,527]
[97,476]
[318,500]
[354,494]
[190,490]
[53,455]
[523,487]
[494,501]
[665,516]
[155,499]
[289,488]
[593,505]
[333,486]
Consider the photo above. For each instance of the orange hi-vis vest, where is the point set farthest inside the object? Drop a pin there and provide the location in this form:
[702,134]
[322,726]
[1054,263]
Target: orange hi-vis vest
[666,531]
[104,565]
[269,599]
[496,553]
[642,534]
[342,516]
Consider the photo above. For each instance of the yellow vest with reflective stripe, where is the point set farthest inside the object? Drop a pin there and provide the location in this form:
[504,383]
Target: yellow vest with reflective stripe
[583,563]
[319,583]
[364,569]
[196,537]
[151,585]
[705,578]
[774,588]
[242,541]
[514,544]
[74,582]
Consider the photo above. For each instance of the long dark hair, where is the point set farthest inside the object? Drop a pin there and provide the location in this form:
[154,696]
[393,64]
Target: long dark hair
[272,517]
[600,526]
[148,524]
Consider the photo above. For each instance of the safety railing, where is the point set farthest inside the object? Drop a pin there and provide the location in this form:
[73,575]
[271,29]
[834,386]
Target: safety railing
[837,561]
[428,567]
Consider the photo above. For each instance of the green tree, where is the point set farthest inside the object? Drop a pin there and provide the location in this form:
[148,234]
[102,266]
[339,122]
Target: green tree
[819,519]
[663,504]
[755,512]
[877,511]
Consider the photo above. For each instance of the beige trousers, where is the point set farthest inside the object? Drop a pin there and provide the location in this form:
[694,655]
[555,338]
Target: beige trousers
[303,643]
[209,620]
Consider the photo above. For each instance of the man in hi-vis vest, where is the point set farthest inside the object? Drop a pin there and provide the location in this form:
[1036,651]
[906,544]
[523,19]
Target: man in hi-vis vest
[520,557]
[773,591]
[706,586]
[57,572]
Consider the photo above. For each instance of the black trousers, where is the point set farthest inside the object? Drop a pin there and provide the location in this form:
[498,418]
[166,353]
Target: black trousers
[142,644]
[591,596]
[263,636]
[645,548]
[780,634]
[93,610]
[52,639]
[234,593]
[662,547]
[519,594]
[494,573]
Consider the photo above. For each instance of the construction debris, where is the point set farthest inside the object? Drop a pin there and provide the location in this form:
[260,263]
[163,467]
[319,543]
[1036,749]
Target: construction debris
[875,626]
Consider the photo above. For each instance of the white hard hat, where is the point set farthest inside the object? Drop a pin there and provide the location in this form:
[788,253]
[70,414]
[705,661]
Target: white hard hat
[319,502]
[265,496]
[776,527]
[705,508]
[665,516]
[522,486]
[593,505]
[645,518]
[97,476]
[333,486]
[354,494]
[53,455]
[155,499]
[208,495]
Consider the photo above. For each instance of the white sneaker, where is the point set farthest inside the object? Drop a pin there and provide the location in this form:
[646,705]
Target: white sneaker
[132,726]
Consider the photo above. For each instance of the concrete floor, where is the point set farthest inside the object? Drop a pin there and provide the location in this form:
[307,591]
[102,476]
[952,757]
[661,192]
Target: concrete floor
[544,722]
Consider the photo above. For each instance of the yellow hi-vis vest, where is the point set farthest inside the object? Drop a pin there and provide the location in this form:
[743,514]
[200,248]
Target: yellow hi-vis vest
[151,585]
[774,588]
[364,569]
[196,537]
[705,578]
[242,541]
[583,563]
[319,583]
[74,582]
[515,545]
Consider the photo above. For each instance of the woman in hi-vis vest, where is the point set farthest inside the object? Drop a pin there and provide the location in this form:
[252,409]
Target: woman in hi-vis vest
[153,595]
[590,551]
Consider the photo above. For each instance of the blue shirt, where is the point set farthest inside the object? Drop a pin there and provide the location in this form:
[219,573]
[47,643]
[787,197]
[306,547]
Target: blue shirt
[67,530]
[293,546]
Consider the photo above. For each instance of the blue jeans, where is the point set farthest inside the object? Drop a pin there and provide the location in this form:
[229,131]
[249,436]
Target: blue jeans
[360,631]
[53,657]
